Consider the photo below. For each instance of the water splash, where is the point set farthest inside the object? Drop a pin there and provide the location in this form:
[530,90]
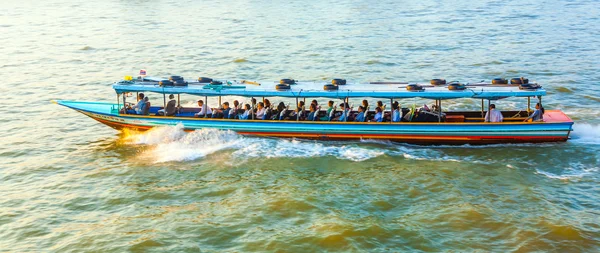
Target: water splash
[586,133]
[172,143]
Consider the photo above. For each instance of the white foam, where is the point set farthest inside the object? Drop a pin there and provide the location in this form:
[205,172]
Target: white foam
[172,143]
[270,148]
[575,172]
[586,133]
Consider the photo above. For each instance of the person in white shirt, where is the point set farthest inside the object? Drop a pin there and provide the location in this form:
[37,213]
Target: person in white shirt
[205,111]
[260,110]
[493,115]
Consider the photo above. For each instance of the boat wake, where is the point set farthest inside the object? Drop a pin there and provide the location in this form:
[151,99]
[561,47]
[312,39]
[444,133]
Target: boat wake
[172,143]
[586,133]
[575,172]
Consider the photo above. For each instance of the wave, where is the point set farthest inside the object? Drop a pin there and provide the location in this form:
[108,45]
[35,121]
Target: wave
[570,174]
[586,133]
[172,143]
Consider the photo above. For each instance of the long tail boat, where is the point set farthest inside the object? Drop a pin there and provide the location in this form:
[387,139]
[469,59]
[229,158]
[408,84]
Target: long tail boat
[447,127]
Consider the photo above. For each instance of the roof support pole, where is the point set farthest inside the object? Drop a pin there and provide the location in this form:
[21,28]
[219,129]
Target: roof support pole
[219,101]
[252,110]
[482,113]
[298,110]
[119,103]
[489,103]
[391,110]
[528,105]
[205,104]
[439,102]
[346,113]
[165,104]
[178,100]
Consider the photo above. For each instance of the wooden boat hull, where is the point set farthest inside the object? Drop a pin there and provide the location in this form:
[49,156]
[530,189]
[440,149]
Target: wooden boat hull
[556,129]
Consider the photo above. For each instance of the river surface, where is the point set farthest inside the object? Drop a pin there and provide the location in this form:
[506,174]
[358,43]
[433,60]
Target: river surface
[70,184]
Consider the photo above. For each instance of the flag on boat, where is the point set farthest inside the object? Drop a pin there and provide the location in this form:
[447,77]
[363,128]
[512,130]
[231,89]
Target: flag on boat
[142,72]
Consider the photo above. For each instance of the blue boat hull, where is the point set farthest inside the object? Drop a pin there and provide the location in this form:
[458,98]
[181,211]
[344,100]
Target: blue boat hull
[435,133]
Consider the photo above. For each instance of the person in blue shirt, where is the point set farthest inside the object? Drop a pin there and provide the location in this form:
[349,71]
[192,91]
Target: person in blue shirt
[223,112]
[246,113]
[313,112]
[345,111]
[360,117]
[537,115]
[396,112]
[379,115]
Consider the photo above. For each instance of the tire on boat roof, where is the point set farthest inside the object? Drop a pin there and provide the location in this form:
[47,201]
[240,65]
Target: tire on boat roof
[216,83]
[438,81]
[287,81]
[282,87]
[338,81]
[165,83]
[414,87]
[180,82]
[330,87]
[456,86]
[175,78]
[204,80]
[521,80]
[499,81]
[529,86]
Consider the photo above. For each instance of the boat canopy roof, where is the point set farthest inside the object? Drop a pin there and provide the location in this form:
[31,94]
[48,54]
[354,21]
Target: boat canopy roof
[312,89]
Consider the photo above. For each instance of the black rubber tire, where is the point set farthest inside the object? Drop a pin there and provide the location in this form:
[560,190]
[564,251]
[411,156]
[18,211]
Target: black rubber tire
[529,86]
[456,86]
[438,81]
[499,81]
[519,81]
[287,81]
[414,87]
[175,78]
[282,87]
[204,80]
[181,82]
[165,83]
[338,81]
[216,83]
[330,87]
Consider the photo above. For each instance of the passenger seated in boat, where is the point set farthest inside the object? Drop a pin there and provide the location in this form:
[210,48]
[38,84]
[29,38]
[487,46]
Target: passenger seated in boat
[378,115]
[171,108]
[396,114]
[137,108]
[246,113]
[345,108]
[380,105]
[493,115]
[268,109]
[280,113]
[312,115]
[234,111]
[330,111]
[261,111]
[360,116]
[298,113]
[205,111]
[146,107]
[537,115]
[222,112]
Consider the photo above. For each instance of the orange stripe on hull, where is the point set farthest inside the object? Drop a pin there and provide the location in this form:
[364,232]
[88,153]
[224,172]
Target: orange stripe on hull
[398,137]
